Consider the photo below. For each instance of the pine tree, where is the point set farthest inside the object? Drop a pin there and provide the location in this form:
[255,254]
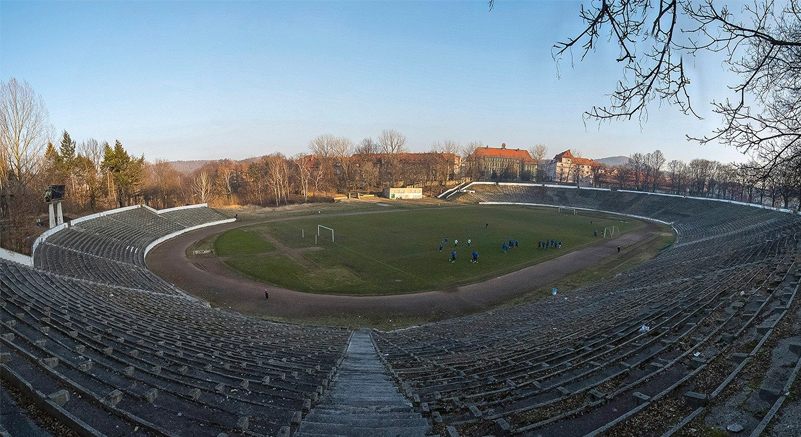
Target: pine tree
[126,172]
[65,162]
[67,150]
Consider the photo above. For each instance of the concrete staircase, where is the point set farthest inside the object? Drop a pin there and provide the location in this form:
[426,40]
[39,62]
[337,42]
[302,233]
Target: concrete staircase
[363,400]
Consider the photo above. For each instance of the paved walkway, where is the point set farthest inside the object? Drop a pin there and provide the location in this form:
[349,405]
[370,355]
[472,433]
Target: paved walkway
[363,400]
[210,279]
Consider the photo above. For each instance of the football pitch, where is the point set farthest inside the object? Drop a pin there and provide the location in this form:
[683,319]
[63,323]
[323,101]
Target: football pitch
[399,251]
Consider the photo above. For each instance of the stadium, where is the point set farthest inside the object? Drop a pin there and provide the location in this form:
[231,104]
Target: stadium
[553,218]
[707,328]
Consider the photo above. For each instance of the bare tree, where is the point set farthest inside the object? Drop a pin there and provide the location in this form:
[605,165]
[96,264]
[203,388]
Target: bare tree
[538,152]
[23,131]
[637,166]
[677,169]
[303,163]
[342,149]
[470,168]
[318,174]
[447,146]
[277,177]
[227,177]
[622,174]
[255,175]
[92,149]
[162,184]
[322,146]
[367,173]
[202,186]
[367,147]
[392,142]
[469,148]
[450,146]
[760,42]
[654,162]
[700,173]
[90,164]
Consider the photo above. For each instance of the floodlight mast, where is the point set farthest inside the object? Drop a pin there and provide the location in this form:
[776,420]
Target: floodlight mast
[53,196]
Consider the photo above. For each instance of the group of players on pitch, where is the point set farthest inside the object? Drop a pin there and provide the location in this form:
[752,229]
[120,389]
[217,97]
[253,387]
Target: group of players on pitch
[505,247]
[452,258]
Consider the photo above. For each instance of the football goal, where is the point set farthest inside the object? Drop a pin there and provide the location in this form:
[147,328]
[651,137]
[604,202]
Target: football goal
[565,210]
[611,231]
[320,228]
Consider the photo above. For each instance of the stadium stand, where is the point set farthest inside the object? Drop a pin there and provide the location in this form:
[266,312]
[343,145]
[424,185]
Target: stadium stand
[189,217]
[110,248]
[106,347]
[673,332]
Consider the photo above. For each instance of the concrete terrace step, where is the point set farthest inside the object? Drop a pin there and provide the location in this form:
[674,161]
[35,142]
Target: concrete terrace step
[360,431]
[314,434]
[363,400]
[361,421]
[385,410]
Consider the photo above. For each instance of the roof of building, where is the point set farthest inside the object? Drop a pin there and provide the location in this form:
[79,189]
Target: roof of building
[503,152]
[565,154]
[575,159]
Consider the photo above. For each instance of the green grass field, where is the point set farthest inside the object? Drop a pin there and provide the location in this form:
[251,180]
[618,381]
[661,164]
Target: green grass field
[397,251]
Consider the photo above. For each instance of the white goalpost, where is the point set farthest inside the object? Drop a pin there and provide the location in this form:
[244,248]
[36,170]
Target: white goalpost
[565,210]
[319,227]
[611,231]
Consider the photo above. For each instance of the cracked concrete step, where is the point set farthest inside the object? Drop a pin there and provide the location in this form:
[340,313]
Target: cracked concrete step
[358,431]
[363,400]
[365,422]
[386,411]
[314,434]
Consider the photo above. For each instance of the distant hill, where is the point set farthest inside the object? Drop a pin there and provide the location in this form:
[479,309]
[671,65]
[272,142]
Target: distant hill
[187,167]
[614,160]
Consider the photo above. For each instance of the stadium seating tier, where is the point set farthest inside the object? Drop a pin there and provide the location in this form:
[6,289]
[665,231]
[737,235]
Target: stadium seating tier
[110,348]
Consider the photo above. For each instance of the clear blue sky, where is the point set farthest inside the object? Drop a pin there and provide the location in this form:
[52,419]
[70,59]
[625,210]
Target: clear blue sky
[186,80]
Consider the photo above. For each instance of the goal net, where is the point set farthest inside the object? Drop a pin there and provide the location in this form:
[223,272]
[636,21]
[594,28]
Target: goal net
[320,228]
[565,210]
[611,231]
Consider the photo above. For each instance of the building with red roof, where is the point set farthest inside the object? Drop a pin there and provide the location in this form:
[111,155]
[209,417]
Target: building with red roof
[504,164]
[565,167]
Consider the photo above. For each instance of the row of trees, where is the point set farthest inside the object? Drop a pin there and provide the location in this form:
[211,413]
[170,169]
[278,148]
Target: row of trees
[96,175]
[99,175]
[700,177]
[705,178]
[332,165]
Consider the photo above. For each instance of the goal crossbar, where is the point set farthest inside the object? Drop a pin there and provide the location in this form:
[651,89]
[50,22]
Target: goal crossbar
[319,227]
[611,231]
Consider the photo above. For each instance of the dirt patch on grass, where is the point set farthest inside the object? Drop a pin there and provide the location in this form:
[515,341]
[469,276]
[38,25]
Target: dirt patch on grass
[295,253]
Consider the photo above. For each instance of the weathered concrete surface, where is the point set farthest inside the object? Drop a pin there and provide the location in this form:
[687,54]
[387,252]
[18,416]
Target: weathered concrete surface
[363,400]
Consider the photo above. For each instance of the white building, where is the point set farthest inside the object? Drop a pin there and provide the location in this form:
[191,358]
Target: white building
[567,168]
